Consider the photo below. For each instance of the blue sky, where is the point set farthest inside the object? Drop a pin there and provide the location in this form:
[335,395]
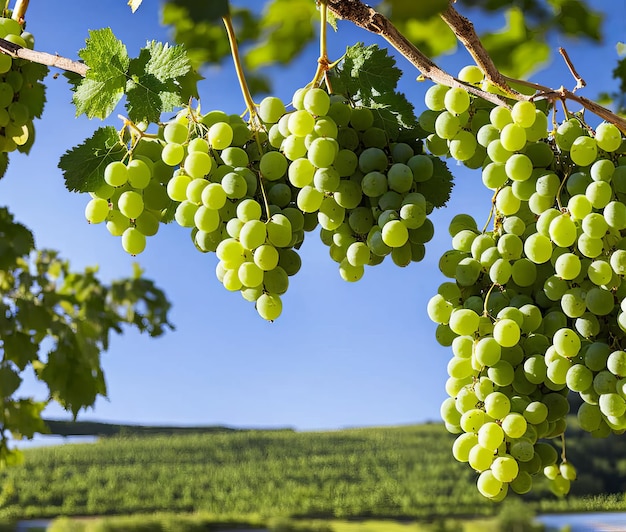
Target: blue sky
[342,354]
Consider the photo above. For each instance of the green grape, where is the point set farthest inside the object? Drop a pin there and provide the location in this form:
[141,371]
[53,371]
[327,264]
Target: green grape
[513,137]
[316,101]
[464,321]
[500,117]
[438,309]
[563,231]
[116,174]
[130,204]
[173,154]
[579,206]
[185,213]
[234,185]
[616,363]
[567,133]
[271,109]
[133,241]
[97,210]
[524,113]
[326,179]
[205,219]
[350,273]
[117,223]
[147,223]
[301,172]
[309,199]
[506,201]
[322,152]
[331,215]
[447,125]
[361,118]
[590,247]
[462,146]
[538,248]
[435,97]
[175,132]
[615,215]
[599,301]
[490,436]
[584,150]
[269,306]
[506,332]
[494,175]
[300,123]
[220,135]
[599,194]
[456,100]
[608,137]
[568,266]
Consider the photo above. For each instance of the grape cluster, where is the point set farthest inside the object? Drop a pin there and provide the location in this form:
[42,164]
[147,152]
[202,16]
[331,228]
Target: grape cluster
[536,308]
[21,93]
[250,191]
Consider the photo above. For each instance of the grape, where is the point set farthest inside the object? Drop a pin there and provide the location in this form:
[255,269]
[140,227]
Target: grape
[524,113]
[513,137]
[271,109]
[269,306]
[138,174]
[608,137]
[584,151]
[97,210]
[133,241]
[116,173]
[173,154]
[220,135]
[130,204]
[175,132]
[456,100]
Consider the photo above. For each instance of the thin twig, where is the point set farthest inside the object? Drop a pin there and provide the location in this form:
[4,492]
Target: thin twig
[580,82]
[369,19]
[19,12]
[465,33]
[15,50]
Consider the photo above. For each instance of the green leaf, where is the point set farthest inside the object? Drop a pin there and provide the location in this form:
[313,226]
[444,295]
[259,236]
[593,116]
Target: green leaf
[402,10]
[19,349]
[211,11]
[439,187]
[432,36]
[515,49]
[103,86]
[574,18]
[368,76]
[153,86]
[286,28]
[9,381]
[83,166]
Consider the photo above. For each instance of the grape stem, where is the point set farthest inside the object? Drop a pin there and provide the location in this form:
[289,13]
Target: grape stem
[563,457]
[485,311]
[322,62]
[234,49]
[19,12]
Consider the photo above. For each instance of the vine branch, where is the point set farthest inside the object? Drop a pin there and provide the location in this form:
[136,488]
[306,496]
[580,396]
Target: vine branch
[53,60]
[371,20]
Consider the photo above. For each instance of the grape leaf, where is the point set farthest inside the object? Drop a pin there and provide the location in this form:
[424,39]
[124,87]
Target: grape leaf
[211,11]
[438,188]
[103,86]
[153,86]
[369,76]
[9,381]
[83,166]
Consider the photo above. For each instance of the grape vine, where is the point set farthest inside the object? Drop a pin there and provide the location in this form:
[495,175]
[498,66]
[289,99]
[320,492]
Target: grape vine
[534,309]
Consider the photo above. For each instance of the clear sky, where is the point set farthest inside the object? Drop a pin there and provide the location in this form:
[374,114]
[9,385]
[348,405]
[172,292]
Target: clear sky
[342,354]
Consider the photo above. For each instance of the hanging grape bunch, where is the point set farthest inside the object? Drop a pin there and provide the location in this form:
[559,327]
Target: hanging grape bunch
[534,310]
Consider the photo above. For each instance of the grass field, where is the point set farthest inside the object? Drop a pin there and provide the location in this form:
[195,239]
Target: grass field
[401,473]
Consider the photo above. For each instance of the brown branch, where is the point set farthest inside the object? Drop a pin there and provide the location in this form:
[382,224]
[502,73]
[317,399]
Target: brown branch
[15,50]
[465,33]
[369,19]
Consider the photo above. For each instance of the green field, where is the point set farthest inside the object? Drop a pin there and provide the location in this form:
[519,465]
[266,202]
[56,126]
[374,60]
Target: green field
[374,473]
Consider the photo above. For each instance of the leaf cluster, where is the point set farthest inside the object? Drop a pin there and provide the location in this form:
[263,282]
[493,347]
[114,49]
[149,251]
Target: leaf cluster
[157,81]
[58,321]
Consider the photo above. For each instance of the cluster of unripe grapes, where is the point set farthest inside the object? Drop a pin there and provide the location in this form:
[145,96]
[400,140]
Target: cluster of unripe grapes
[250,191]
[21,93]
[536,308]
